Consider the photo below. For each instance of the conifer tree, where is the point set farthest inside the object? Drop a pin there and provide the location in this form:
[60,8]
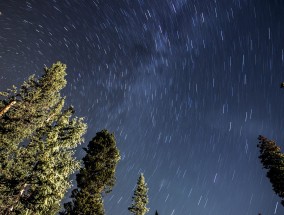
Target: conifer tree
[156,213]
[37,140]
[273,160]
[96,178]
[140,198]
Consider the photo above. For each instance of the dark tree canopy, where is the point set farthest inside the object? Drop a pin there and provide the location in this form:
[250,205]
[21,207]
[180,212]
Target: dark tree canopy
[273,160]
[96,177]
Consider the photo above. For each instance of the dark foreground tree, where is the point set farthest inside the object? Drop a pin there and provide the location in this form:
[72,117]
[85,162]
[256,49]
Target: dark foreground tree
[140,198]
[96,178]
[273,160]
[156,213]
[37,141]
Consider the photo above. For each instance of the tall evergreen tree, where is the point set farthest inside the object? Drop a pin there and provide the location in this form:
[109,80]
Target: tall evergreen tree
[37,140]
[140,198]
[273,160]
[96,178]
[51,152]
[156,213]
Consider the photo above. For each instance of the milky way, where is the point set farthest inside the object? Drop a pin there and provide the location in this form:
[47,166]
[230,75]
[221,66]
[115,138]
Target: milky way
[185,85]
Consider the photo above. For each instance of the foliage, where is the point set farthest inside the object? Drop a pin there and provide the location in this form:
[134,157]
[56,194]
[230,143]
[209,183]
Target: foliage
[96,177]
[140,198]
[273,160]
[37,138]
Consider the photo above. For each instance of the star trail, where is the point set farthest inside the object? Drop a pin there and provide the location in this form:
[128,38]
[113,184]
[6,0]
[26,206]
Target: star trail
[186,86]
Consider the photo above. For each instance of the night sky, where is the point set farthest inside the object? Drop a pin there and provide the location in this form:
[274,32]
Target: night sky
[185,85]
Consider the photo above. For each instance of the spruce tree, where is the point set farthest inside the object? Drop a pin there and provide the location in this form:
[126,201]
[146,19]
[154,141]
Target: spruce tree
[96,177]
[273,160]
[37,140]
[140,198]
[156,213]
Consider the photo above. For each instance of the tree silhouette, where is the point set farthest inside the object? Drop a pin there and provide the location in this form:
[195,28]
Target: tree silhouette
[96,177]
[273,160]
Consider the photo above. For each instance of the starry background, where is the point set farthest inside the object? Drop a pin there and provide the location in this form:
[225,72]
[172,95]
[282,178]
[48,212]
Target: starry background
[186,86]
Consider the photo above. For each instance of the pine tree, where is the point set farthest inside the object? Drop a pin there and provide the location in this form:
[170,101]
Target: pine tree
[37,140]
[273,160]
[96,178]
[156,213]
[140,198]
[53,163]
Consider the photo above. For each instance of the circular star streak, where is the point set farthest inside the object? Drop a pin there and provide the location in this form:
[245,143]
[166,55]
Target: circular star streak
[186,86]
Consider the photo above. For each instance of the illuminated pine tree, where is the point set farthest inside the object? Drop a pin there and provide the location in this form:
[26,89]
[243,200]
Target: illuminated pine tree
[96,178]
[273,160]
[51,151]
[140,198]
[37,140]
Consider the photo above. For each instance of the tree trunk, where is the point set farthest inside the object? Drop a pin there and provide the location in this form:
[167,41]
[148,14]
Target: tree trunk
[5,109]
